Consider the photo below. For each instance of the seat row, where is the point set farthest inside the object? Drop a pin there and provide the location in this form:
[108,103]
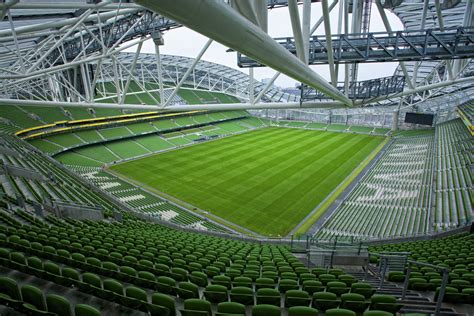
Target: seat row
[31,300]
[161,304]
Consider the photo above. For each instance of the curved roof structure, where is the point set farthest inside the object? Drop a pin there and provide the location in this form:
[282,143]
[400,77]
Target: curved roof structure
[57,51]
[206,75]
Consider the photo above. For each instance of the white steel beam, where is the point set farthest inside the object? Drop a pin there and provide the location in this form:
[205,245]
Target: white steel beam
[251,86]
[65,5]
[177,108]
[267,87]
[306,29]
[330,52]
[60,23]
[159,71]
[321,19]
[441,26]
[296,27]
[6,7]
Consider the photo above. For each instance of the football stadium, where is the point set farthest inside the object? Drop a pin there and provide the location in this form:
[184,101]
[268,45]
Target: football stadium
[237,157]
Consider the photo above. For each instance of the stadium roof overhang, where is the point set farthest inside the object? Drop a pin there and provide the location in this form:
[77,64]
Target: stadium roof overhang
[44,43]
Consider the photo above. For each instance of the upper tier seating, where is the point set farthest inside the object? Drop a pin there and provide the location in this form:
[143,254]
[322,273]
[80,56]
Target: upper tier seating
[392,198]
[454,184]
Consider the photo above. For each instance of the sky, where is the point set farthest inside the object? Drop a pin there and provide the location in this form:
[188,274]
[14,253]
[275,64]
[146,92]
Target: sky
[185,42]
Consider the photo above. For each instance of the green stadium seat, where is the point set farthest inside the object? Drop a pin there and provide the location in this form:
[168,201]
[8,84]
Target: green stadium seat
[387,303]
[198,278]
[364,289]
[196,307]
[35,266]
[222,280]
[396,276]
[312,286]
[113,290]
[71,277]
[337,287]
[261,283]
[339,312]
[163,300]
[242,295]
[242,281]
[135,298]
[85,310]
[216,293]
[326,278]
[9,292]
[287,284]
[33,300]
[302,311]
[230,308]
[354,302]
[187,290]
[469,292]
[166,285]
[58,305]
[268,296]
[266,310]
[297,298]
[451,295]
[325,300]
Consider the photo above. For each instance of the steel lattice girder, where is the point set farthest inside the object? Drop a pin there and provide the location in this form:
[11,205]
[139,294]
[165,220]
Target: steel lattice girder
[385,47]
[361,89]
[148,22]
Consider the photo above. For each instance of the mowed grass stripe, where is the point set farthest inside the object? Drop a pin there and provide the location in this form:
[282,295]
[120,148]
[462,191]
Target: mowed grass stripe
[244,162]
[220,150]
[267,180]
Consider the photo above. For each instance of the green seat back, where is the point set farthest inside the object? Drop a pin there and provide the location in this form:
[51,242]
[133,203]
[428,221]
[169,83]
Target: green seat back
[266,310]
[165,301]
[58,305]
[85,310]
[339,312]
[302,311]
[34,296]
[231,308]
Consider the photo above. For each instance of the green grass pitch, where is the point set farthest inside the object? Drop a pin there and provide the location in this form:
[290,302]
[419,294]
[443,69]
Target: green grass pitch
[266,180]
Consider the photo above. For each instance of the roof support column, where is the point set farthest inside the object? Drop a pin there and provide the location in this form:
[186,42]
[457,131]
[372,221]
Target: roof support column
[159,71]
[296,26]
[340,18]
[422,27]
[306,29]
[346,31]
[441,26]
[251,87]
[388,28]
[311,32]
[327,28]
